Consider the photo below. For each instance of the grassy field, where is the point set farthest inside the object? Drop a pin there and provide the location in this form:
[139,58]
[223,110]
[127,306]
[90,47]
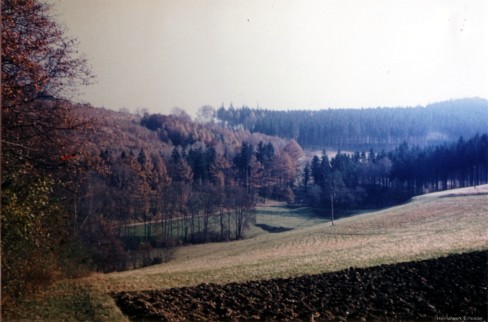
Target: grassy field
[429,226]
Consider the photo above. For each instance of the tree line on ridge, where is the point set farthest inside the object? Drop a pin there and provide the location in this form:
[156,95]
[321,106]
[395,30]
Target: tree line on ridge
[360,129]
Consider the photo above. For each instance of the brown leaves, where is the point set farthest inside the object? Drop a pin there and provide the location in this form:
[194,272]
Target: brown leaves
[38,66]
[37,58]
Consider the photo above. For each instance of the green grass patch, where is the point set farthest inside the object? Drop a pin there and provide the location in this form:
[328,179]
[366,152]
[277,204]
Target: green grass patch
[68,300]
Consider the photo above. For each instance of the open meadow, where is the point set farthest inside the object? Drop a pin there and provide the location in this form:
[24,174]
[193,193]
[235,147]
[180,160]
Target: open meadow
[429,226]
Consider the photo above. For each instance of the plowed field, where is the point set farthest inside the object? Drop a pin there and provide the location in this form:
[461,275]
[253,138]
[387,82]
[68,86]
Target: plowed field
[447,288]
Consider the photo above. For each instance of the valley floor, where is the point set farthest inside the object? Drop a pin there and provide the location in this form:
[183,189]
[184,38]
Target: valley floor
[429,226]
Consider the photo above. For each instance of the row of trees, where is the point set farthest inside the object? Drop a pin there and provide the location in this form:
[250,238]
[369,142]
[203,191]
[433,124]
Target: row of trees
[193,195]
[353,129]
[364,180]
[168,202]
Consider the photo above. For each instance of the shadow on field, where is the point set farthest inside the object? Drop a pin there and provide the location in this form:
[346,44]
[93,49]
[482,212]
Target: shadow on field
[273,229]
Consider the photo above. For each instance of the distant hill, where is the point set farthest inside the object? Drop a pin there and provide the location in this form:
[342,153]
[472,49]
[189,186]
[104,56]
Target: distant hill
[364,128]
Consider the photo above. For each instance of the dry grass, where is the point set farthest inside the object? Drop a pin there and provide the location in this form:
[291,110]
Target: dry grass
[429,226]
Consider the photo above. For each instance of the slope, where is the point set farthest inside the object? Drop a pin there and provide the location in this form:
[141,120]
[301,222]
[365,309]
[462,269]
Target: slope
[429,226]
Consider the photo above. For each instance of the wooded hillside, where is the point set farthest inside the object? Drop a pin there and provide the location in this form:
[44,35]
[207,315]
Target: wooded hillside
[172,170]
[361,129]
[87,189]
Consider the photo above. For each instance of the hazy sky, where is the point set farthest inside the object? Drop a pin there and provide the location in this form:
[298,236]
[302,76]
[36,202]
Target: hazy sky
[160,54]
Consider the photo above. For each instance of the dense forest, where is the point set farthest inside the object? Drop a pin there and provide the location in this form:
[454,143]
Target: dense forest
[375,180]
[87,189]
[136,176]
[353,129]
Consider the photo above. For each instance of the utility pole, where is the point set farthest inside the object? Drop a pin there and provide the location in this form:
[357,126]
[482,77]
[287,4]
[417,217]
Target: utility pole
[332,207]
[332,192]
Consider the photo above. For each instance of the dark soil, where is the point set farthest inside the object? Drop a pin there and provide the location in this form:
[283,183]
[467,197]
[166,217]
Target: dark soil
[452,288]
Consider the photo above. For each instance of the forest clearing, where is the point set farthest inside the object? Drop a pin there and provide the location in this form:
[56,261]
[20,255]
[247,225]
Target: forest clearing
[428,226]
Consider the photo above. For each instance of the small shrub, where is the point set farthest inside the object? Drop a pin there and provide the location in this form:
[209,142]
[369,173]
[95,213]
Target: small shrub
[157,260]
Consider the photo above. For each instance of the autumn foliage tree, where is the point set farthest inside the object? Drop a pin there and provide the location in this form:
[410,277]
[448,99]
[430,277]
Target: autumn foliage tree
[40,66]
